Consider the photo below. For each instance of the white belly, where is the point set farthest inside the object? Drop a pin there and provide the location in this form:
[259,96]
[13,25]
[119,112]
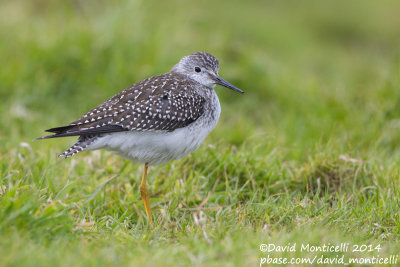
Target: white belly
[157,148]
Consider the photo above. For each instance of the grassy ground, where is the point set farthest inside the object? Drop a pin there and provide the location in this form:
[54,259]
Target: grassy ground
[308,155]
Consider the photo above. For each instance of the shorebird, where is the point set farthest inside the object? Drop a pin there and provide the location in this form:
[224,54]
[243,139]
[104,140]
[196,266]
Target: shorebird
[154,121]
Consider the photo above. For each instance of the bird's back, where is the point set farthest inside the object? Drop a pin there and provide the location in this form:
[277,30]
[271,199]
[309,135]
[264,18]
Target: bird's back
[158,105]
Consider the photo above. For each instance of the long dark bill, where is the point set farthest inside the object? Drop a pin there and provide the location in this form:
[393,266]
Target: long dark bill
[222,82]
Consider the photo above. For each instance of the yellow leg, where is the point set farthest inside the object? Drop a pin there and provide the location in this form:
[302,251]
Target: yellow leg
[145,194]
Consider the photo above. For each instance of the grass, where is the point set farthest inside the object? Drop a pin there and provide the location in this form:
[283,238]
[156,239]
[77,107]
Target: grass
[308,155]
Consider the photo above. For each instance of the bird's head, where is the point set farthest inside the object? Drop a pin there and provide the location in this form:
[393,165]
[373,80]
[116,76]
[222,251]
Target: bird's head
[203,68]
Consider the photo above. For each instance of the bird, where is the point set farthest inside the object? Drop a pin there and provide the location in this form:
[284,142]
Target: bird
[155,121]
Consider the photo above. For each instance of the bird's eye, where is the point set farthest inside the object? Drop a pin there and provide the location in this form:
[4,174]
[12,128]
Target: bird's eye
[197,69]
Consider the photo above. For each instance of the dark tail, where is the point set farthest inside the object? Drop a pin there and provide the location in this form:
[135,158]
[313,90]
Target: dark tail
[83,142]
[79,130]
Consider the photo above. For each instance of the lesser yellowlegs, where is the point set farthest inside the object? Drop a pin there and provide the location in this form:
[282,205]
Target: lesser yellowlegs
[159,119]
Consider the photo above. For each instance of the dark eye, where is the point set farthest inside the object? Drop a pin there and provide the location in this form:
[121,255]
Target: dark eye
[197,69]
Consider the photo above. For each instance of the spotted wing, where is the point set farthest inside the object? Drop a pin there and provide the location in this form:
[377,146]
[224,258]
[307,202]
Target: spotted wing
[162,112]
[160,103]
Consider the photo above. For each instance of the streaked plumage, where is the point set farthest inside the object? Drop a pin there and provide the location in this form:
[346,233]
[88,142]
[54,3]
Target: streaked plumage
[164,102]
[142,122]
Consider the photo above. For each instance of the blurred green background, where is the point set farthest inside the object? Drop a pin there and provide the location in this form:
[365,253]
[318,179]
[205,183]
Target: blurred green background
[313,71]
[313,142]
